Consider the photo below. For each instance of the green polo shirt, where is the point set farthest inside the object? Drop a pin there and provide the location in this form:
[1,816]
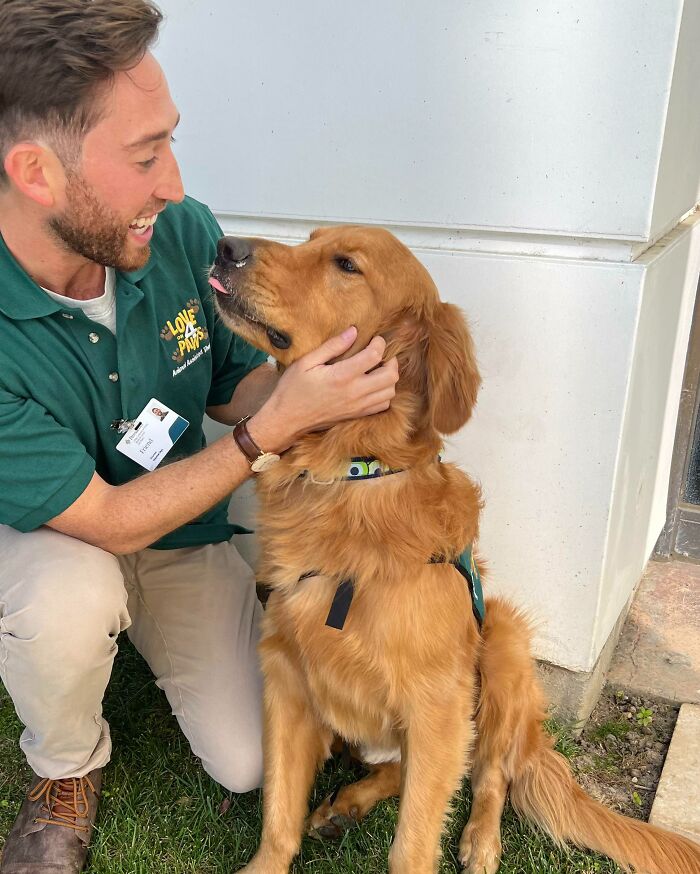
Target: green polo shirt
[64,378]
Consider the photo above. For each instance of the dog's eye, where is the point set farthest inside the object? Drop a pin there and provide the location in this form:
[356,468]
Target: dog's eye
[346,264]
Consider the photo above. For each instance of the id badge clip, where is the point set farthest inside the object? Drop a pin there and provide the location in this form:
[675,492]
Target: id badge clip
[151,435]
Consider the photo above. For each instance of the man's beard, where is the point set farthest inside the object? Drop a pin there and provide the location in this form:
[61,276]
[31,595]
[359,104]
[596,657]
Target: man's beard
[91,229]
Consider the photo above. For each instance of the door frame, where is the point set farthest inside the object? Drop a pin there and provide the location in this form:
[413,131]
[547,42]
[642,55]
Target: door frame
[680,536]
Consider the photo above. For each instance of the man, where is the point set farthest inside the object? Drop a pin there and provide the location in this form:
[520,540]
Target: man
[105,316]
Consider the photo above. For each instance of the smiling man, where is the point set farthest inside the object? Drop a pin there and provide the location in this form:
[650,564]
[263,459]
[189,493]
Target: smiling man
[112,517]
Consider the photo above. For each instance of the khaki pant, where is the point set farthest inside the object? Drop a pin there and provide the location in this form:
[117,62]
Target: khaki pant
[191,613]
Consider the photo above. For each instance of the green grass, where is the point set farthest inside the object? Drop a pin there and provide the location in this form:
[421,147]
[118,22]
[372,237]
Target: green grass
[616,727]
[160,812]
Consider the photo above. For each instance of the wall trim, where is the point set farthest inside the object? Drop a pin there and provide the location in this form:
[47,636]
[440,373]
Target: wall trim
[458,241]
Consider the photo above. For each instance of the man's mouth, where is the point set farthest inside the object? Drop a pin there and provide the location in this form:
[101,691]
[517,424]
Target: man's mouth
[142,227]
[233,306]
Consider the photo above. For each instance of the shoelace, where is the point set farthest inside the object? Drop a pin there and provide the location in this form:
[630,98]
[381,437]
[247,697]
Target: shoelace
[65,800]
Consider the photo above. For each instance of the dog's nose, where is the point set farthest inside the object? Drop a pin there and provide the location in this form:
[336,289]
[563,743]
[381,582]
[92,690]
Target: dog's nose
[233,252]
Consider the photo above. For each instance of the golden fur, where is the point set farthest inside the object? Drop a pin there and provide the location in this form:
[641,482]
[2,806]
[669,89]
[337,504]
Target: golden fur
[410,671]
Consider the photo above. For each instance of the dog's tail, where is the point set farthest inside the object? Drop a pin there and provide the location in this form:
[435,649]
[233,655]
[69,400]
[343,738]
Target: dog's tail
[542,788]
[546,793]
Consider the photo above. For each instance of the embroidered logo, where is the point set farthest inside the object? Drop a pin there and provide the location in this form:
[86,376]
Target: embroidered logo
[188,334]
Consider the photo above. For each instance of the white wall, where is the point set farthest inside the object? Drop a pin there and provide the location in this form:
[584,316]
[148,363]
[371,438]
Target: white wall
[483,114]
[530,153]
[582,363]
[669,273]
[678,181]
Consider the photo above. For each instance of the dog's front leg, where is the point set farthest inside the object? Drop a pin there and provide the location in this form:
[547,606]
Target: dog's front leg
[294,745]
[434,757]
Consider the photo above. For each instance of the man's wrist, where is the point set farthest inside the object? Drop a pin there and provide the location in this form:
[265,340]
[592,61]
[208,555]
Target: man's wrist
[259,459]
[270,431]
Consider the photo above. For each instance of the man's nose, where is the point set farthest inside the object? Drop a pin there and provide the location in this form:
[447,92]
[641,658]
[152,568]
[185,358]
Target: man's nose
[171,187]
[234,252]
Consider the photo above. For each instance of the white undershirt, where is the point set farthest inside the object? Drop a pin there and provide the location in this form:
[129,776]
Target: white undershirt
[102,309]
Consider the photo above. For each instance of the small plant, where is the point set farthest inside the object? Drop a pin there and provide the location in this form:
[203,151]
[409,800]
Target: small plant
[645,716]
[637,798]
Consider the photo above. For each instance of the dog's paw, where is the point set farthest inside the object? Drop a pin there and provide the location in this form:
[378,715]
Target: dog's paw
[329,823]
[479,853]
[257,866]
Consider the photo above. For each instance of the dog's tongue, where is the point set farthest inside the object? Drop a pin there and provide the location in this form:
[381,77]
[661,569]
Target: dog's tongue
[217,285]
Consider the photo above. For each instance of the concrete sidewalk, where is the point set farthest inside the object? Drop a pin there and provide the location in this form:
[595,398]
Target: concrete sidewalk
[677,801]
[658,655]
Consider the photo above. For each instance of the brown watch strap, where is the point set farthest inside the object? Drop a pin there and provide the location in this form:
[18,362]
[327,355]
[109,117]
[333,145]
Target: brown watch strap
[245,442]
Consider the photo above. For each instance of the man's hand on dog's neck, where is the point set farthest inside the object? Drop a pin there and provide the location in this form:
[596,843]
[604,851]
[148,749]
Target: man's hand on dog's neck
[312,395]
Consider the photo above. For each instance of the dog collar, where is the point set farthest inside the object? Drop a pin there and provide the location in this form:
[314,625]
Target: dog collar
[360,468]
[366,467]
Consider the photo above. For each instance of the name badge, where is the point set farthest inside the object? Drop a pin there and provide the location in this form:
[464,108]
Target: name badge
[150,437]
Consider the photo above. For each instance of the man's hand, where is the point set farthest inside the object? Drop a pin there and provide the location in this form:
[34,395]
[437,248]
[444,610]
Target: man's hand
[312,395]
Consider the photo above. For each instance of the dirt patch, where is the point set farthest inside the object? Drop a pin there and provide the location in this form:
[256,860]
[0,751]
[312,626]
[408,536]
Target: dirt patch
[619,757]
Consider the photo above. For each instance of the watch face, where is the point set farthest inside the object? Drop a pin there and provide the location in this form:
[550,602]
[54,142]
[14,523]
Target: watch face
[262,462]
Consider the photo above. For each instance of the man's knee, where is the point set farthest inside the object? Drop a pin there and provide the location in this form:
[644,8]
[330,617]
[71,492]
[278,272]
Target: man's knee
[236,764]
[237,776]
[72,596]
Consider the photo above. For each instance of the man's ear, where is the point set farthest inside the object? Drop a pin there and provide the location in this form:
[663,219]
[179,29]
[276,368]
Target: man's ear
[35,171]
[452,374]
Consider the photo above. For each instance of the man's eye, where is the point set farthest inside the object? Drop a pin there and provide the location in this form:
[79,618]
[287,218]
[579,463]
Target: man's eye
[346,265]
[151,161]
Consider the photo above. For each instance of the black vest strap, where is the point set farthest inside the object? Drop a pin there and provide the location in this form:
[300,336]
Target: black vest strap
[464,564]
[341,605]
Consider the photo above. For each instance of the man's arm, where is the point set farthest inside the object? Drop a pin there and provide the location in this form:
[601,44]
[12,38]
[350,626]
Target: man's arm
[250,394]
[310,395]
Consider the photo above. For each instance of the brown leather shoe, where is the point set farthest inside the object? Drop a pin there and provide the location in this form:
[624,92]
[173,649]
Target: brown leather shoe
[53,828]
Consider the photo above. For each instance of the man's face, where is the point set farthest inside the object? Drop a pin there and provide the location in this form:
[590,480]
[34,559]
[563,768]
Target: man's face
[126,175]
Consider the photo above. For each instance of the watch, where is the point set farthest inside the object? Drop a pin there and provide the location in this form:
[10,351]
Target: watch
[258,459]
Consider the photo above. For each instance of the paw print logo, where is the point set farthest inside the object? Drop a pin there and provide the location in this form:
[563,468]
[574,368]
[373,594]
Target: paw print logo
[193,304]
[178,357]
[166,334]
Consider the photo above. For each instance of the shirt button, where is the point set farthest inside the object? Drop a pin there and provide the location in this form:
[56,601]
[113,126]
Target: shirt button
[93,337]
[114,376]
[67,315]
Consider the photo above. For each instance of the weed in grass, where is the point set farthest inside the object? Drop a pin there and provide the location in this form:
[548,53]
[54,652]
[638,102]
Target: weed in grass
[645,716]
[563,734]
[615,727]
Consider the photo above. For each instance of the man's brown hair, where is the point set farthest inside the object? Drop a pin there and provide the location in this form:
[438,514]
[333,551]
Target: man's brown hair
[57,57]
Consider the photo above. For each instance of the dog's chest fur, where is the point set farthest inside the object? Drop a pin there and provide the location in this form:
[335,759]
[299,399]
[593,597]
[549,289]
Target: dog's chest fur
[417,640]
[409,630]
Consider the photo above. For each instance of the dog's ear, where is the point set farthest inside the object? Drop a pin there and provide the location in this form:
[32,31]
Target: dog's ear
[452,374]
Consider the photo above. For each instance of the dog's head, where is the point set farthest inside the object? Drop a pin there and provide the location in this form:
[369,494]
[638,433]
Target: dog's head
[287,300]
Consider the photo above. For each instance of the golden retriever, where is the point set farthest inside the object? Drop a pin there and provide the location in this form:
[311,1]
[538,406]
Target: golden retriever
[406,676]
